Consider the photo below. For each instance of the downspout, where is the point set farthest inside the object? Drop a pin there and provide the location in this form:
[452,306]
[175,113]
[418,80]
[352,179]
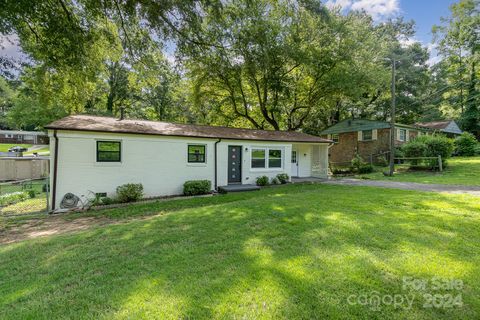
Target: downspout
[215,164]
[55,165]
[331,144]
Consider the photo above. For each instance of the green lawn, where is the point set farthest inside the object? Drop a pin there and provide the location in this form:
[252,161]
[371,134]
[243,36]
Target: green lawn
[34,205]
[5,146]
[294,252]
[43,152]
[460,170]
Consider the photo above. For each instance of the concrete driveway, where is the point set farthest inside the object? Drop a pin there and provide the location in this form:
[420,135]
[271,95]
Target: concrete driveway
[446,188]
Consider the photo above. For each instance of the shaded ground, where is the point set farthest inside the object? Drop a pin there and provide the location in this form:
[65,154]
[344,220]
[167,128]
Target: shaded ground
[48,226]
[294,252]
[454,189]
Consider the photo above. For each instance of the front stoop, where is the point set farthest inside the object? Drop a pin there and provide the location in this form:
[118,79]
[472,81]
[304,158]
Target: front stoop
[238,188]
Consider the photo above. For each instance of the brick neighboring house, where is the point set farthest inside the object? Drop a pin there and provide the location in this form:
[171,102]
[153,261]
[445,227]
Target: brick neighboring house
[365,137]
[23,137]
[448,127]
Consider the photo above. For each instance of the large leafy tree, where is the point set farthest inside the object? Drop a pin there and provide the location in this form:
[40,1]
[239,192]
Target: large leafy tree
[458,40]
[273,64]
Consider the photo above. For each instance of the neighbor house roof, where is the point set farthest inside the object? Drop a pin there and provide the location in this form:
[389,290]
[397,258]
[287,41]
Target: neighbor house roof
[353,125]
[106,124]
[19,132]
[448,126]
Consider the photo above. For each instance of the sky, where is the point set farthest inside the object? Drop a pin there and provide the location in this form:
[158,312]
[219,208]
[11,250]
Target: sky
[425,13]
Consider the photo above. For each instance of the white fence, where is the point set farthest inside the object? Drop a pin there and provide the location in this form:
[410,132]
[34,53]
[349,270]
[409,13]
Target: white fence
[12,169]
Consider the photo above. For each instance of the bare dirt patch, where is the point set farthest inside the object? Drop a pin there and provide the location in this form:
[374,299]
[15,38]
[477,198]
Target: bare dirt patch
[51,225]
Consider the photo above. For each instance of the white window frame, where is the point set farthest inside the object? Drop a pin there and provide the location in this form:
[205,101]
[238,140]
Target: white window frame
[267,156]
[363,137]
[335,137]
[400,135]
[8,136]
[294,156]
[281,158]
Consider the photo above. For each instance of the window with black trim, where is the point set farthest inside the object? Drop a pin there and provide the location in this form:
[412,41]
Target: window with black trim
[109,151]
[266,158]
[258,158]
[274,158]
[196,153]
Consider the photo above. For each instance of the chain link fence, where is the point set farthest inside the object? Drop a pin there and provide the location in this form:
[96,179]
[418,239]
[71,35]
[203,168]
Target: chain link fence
[24,197]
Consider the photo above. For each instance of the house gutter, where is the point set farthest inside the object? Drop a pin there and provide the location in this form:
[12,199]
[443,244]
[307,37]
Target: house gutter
[215,164]
[55,166]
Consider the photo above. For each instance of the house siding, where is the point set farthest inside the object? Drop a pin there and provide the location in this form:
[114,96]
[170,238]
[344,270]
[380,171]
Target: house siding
[158,162]
[349,144]
[23,139]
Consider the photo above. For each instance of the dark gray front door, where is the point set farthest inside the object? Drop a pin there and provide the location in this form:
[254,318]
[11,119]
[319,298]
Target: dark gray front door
[234,164]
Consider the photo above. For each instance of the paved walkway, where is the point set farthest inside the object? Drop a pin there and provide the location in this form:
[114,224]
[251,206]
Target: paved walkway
[447,188]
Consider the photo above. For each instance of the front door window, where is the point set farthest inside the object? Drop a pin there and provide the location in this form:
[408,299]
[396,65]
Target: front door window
[234,164]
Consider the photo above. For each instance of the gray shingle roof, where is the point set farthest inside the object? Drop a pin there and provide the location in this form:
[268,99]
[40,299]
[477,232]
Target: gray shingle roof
[449,126]
[352,125]
[107,124]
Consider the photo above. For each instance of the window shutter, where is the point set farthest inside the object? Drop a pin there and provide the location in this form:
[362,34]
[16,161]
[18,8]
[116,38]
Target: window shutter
[374,134]
[360,136]
[397,133]
[407,135]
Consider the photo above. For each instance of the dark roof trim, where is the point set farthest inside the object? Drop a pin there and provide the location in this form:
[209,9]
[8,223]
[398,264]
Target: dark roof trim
[111,125]
[193,137]
[364,124]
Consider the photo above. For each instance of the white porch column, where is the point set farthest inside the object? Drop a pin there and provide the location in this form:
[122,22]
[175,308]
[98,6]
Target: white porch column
[320,161]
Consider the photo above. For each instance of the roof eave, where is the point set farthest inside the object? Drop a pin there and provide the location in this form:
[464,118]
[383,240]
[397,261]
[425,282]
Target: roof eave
[323,141]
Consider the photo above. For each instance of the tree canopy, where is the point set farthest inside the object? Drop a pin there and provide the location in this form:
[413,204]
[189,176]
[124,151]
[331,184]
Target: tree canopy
[289,65]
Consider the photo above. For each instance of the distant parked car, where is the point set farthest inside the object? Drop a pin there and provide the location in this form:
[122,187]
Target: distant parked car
[17,149]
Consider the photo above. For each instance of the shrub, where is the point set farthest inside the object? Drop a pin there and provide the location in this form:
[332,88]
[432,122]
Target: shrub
[11,198]
[414,149]
[283,178]
[275,181]
[477,149]
[31,194]
[382,161]
[341,170]
[439,145]
[107,200]
[466,144]
[429,146]
[129,192]
[262,181]
[357,163]
[197,187]
[365,168]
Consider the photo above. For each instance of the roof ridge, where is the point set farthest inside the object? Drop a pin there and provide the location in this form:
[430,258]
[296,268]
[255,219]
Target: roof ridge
[183,124]
[95,123]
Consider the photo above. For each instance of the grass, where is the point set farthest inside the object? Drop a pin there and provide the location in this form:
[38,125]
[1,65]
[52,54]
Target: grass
[33,205]
[460,170]
[43,152]
[5,146]
[294,252]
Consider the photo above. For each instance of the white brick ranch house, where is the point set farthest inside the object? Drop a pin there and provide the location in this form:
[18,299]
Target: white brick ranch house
[97,154]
